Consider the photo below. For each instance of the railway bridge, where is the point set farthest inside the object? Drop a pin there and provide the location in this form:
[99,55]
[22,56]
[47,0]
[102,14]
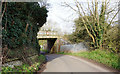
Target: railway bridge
[51,37]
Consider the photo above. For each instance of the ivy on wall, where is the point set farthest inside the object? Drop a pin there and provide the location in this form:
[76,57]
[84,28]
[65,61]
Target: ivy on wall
[21,22]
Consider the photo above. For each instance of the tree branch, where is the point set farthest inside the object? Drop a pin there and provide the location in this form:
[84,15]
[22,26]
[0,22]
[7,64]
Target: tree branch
[70,7]
[87,18]
[85,24]
[4,9]
[113,18]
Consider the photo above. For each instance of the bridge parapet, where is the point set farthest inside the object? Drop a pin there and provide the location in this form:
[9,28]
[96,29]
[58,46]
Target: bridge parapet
[47,34]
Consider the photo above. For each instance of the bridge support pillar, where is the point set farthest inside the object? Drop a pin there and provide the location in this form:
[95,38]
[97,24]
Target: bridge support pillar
[50,43]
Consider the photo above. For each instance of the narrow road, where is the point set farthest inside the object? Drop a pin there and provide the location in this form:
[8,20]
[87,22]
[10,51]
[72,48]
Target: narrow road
[66,63]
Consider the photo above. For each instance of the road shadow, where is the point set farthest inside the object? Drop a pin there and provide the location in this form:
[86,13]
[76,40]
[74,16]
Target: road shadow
[50,57]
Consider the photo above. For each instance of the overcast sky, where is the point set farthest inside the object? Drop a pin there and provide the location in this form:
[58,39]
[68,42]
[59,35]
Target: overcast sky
[61,18]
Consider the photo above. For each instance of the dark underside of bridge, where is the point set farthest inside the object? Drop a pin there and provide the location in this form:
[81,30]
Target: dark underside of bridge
[50,42]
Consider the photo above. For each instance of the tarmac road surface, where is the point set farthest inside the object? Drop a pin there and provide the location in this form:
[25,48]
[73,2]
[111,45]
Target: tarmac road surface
[66,63]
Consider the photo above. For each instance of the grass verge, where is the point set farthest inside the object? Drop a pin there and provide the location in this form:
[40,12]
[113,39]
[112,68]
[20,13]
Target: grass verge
[44,50]
[108,58]
[25,67]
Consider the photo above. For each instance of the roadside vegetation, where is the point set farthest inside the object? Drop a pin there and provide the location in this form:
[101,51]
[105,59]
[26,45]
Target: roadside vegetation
[99,30]
[95,27]
[43,46]
[102,56]
[25,67]
[20,23]
[44,50]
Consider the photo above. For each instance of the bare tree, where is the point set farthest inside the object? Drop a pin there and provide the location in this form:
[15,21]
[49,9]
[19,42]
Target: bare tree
[96,25]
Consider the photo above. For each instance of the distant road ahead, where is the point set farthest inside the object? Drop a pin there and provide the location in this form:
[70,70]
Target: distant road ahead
[66,63]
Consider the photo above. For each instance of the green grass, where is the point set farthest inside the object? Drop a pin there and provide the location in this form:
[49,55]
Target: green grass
[108,58]
[44,50]
[25,67]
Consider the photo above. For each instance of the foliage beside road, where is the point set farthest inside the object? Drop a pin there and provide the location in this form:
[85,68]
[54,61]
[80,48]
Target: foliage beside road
[21,22]
[44,50]
[25,67]
[99,33]
[102,56]
[95,27]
